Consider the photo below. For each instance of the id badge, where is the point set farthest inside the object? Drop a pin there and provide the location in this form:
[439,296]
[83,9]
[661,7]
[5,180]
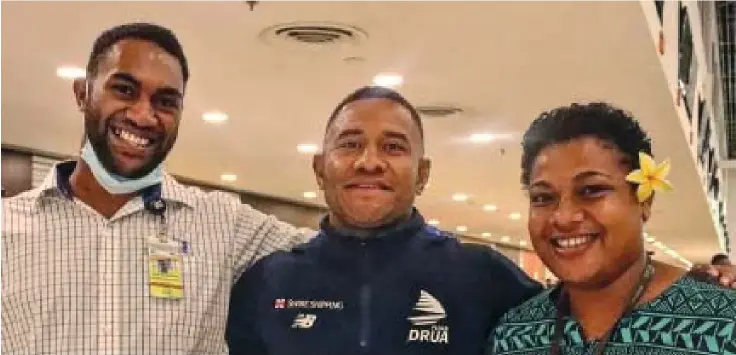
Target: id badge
[165,269]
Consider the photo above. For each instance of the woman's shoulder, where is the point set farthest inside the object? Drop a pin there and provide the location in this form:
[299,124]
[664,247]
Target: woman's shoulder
[689,296]
[540,307]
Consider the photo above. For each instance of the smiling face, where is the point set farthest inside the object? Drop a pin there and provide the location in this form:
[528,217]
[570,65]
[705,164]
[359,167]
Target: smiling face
[372,166]
[584,219]
[132,107]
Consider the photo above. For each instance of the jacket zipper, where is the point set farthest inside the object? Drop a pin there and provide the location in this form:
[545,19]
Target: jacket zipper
[365,302]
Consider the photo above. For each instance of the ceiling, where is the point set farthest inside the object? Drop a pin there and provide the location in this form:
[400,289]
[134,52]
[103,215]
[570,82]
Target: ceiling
[503,63]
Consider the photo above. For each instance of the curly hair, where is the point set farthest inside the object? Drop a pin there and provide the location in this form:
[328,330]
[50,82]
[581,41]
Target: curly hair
[599,119]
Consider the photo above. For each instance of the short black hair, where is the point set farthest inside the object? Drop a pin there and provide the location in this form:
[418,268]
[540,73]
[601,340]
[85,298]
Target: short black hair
[598,119]
[378,92]
[718,258]
[161,36]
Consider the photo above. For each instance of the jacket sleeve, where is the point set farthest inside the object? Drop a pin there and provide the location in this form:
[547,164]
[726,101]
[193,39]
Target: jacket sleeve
[507,285]
[242,331]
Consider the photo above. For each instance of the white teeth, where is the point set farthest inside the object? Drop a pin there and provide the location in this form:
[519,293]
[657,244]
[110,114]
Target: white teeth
[132,138]
[573,242]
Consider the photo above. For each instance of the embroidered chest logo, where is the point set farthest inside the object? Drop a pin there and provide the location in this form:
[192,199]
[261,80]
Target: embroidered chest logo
[284,303]
[426,315]
[304,321]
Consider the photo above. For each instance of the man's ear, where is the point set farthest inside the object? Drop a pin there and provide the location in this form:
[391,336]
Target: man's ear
[318,167]
[80,93]
[425,165]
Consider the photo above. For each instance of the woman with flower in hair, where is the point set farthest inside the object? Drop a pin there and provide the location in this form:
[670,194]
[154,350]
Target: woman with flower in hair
[591,182]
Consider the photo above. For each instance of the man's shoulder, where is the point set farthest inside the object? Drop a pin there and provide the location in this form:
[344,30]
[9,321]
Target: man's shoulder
[209,201]
[22,203]
[491,260]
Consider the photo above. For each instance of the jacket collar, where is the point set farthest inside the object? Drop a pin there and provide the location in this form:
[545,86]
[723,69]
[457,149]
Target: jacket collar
[393,232]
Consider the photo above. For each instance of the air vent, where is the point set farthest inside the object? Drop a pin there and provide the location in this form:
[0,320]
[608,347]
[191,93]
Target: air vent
[314,34]
[438,111]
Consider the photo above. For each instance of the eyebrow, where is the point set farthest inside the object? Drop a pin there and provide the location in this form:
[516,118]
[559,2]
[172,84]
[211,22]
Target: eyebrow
[578,177]
[166,90]
[349,132]
[590,173]
[397,135]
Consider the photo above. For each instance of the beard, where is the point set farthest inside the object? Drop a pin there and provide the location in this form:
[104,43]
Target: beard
[97,129]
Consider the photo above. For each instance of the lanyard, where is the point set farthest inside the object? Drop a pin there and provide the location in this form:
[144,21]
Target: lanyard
[564,304]
[154,204]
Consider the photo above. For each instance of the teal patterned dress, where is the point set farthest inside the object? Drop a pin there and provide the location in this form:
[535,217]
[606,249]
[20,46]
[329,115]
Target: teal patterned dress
[689,317]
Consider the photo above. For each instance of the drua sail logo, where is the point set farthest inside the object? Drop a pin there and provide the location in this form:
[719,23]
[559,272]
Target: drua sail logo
[427,312]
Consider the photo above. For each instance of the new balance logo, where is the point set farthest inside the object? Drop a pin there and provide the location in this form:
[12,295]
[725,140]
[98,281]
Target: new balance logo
[426,314]
[304,321]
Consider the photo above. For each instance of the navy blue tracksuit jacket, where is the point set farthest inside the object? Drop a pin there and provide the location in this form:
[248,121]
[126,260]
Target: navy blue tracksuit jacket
[409,290]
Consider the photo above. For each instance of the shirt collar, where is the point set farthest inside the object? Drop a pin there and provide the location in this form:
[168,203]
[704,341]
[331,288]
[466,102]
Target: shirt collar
[56,183]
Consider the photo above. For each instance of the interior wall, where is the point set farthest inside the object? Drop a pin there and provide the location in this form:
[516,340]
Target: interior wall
[17,176]
[18,171]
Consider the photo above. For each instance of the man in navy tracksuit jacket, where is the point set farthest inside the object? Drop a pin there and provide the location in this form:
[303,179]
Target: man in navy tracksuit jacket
[376,280]
[410,289]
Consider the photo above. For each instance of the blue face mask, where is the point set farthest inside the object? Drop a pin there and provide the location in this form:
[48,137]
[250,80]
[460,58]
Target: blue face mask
[115,184]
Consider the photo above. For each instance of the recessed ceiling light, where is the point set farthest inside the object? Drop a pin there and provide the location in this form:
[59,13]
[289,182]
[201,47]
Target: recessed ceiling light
[310,194]
[70,72]
[485,235]
[460,197]
[228,177]
[462,228]
[215,117]
[505,239]
[490,208]
[522,243]
[515,216]
[433,222]
[388,80]
[307,148]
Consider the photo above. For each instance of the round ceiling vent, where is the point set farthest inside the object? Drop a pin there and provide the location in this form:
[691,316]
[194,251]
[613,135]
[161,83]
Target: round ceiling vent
[314,34]
[439,111]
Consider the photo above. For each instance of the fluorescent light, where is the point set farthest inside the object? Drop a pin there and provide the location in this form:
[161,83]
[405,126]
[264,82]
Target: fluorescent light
[462,228]
[310,194]
[307,148]
[490,208]
[433,222]
[484,137]
[515,216]
[505,239]
[388,80]
[228,177]
[70,72]
[485,235]
[215,117]
[460,197]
